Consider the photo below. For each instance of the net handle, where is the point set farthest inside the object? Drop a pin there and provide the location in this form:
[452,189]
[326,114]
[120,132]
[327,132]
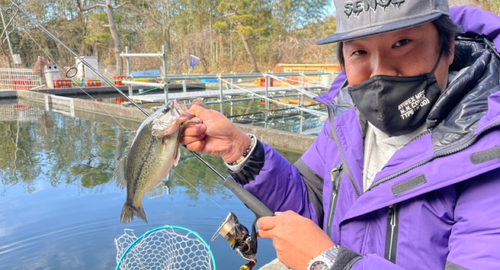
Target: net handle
[163,228]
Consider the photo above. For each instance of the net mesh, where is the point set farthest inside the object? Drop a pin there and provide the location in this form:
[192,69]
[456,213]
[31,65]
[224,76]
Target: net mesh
[166,247]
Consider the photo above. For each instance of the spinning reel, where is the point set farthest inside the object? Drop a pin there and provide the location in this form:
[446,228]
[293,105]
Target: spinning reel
[238,237]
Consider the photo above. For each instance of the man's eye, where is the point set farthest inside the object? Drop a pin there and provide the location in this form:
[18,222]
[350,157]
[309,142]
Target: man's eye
[401,42]
[358,52]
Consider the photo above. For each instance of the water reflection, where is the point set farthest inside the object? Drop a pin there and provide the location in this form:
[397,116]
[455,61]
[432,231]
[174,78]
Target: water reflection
[14,111]
[252,111]
[81,153]
[78,153]
[60,207]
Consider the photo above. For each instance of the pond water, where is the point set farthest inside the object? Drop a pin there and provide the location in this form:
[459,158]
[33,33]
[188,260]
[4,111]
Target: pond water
[249,111]
[60,208]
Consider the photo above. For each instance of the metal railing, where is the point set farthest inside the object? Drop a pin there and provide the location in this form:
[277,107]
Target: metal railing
[18,79]
[163,55]
[302,79]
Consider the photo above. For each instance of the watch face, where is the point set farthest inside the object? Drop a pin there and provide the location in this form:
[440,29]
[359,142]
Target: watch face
[318,265]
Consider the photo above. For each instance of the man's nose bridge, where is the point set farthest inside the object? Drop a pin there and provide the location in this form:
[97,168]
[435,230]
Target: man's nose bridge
[381,65]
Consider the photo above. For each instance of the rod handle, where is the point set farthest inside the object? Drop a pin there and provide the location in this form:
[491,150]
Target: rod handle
[254,204]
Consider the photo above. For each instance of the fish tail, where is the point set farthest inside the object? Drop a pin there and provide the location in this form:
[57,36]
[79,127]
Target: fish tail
[129,211]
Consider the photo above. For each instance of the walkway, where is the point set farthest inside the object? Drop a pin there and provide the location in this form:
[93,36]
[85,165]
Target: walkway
[160,98]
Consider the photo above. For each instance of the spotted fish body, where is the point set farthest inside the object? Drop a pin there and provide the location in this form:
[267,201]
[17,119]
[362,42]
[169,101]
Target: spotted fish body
[153,152]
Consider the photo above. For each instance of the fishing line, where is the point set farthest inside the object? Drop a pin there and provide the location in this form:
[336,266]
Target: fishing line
[185,180]
[8,24]
[303,91]
[48,33]
[78,86]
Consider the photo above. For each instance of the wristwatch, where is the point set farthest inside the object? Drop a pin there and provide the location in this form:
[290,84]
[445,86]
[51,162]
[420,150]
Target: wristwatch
[325,261]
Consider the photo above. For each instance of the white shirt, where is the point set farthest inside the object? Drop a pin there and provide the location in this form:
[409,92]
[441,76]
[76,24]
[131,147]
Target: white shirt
[379,147]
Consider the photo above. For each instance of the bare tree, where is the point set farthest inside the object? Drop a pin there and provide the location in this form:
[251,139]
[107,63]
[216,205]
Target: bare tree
[240,14]
[110,10]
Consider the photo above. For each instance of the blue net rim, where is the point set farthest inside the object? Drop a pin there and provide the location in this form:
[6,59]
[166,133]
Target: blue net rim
[165,228]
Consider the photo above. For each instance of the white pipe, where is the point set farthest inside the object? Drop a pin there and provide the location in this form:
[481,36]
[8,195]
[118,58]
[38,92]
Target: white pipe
[144,83]
[141,55]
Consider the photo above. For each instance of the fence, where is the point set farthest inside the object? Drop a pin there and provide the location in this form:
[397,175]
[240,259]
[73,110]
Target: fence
[18,79]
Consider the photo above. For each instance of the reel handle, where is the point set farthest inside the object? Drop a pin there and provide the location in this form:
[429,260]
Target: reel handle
[254,204]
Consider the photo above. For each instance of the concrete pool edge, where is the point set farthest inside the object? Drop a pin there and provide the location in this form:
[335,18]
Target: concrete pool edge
[276,138]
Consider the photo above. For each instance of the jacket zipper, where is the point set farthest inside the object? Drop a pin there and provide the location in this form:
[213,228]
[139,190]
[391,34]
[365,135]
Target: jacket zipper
[467,144]
[336,174]
[343,160]
[392,233]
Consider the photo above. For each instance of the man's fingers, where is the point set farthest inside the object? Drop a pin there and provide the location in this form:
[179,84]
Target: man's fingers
[196,146]
[264,234]
[267,223]
[193,136]
[196,109]
[194,130]
[185,140]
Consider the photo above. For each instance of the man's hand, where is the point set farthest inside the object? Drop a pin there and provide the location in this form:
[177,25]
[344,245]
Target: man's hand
[215,135]
[296,239]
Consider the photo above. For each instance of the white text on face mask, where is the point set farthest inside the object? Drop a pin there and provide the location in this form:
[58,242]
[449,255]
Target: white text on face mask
[408,107]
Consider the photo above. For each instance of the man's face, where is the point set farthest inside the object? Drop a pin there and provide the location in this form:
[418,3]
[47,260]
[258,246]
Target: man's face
[408,52]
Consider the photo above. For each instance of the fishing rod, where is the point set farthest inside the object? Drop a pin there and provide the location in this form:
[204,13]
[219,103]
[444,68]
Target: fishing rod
[232,231]
[48,33]
[103,78]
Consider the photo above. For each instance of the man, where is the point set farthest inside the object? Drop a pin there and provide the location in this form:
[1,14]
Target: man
[405,173]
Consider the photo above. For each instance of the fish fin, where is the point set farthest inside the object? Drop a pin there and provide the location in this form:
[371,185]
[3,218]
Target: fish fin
[156,191]
[119,173]
[131,138]
[167,179]
[177,155]
[129,211]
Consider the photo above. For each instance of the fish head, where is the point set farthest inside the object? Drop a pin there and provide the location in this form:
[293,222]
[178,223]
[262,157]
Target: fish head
[169,119]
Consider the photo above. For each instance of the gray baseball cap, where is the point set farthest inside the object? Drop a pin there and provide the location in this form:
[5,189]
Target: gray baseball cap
[362,18]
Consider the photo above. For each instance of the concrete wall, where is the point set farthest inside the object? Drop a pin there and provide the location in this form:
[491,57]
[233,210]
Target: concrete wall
[8,94]
[91,106]
[280,139]
[131,117]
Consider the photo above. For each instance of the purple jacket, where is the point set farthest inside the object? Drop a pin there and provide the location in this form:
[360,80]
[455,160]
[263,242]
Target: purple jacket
[435,204]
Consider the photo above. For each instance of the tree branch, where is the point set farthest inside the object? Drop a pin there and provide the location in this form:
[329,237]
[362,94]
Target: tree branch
[91,7]
[122,4]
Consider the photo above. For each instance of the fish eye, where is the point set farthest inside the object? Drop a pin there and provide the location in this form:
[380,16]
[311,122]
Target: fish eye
[167,107]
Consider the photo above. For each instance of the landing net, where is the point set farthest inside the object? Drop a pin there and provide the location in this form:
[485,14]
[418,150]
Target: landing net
[167,247]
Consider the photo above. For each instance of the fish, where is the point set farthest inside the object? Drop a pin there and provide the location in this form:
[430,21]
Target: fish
[151,155]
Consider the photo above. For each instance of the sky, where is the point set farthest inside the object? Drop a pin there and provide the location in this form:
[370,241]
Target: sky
[331,9]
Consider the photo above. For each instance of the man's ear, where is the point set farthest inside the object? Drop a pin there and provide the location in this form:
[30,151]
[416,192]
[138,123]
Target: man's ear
[451,55]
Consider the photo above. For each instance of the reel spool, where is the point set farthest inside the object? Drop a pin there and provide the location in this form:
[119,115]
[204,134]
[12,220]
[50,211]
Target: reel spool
[239,238]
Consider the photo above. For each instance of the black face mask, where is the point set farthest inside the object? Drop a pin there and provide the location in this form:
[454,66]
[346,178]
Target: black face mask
[396,105]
